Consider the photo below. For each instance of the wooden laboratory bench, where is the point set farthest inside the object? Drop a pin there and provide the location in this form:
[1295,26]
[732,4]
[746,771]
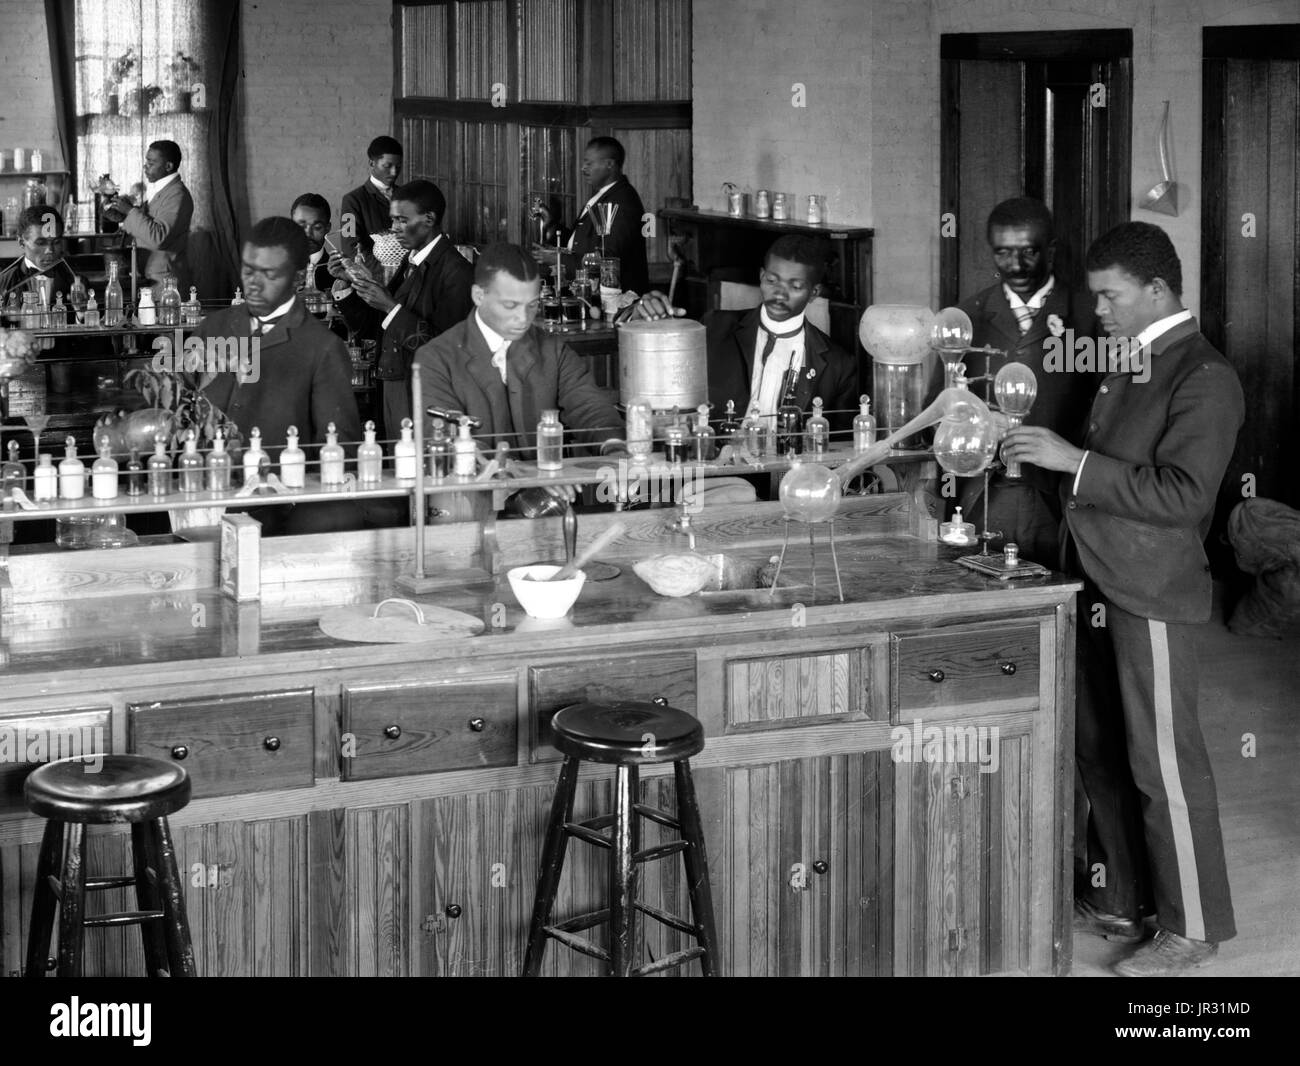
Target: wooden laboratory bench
[379,809]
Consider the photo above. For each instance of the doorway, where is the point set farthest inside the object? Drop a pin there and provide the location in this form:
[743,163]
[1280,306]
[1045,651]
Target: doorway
[1046,115]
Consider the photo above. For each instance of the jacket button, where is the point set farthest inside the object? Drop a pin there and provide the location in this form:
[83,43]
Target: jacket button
[1092,428]
[1073,505]
[1104,388]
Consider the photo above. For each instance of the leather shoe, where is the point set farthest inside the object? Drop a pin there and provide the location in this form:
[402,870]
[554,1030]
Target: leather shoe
[1114,927]
[1167,955]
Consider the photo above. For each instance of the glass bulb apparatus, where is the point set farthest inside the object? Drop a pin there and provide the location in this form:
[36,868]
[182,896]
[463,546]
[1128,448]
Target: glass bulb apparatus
[951,336]
[1015,388]
[810,493]
[967,437]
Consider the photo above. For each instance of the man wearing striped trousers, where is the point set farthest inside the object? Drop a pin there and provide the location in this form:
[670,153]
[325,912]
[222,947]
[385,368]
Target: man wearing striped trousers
[1138,500]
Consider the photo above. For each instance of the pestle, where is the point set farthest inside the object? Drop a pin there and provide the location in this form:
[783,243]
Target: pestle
[606,538]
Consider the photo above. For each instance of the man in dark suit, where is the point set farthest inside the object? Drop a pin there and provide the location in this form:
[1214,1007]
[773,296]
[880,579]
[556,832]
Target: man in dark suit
[602,169]
[1139,498]
[429,293]
[494,367]
[311,213]
[759,355]
[365,208]
[300,374]
[162,223]
[1032,316]
[41,266]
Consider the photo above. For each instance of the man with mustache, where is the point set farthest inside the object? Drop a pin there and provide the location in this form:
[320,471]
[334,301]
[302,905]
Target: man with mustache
[1025,313]
[1139,498]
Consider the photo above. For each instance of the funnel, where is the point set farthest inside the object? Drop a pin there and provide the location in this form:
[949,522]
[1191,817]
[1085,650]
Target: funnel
[1163,196]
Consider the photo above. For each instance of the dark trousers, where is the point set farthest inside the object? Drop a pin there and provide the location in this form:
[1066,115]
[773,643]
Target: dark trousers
[1023,514]
[1153,838]
[396,405]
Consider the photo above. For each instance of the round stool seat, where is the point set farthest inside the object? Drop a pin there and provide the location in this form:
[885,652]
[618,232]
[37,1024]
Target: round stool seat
[627,732]
[125,788]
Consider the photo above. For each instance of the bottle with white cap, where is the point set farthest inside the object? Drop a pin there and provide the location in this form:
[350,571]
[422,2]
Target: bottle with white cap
[331,457]
[293,461]
[404,458]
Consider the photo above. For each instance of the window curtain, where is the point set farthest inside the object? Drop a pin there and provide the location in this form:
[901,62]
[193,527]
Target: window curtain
[149,70]
[59,19]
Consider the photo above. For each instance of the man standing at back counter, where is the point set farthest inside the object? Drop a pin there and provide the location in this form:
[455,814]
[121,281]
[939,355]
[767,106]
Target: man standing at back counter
[1139,497]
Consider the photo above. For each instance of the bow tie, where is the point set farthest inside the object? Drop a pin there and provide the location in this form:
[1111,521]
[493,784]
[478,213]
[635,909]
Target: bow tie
[258,326]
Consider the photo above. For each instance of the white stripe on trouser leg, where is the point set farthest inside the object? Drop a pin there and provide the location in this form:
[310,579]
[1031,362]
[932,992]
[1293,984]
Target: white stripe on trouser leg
[1189,883]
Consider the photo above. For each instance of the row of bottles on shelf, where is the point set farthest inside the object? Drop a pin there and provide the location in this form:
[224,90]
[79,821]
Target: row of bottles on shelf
[34,310]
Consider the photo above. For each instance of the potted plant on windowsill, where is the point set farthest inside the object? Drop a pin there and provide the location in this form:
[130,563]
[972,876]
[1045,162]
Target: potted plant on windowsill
[182,77]
[117,99]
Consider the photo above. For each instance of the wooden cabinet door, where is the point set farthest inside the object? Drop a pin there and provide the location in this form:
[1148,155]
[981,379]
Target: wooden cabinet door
[962,886]
[800,859]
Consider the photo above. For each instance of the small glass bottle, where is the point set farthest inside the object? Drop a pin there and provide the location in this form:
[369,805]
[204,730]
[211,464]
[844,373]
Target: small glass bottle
[160,468]
[465,453]
[135,475]
[113,302]
[550,442]
[702,439]
[789,420]
[551,309]
[730,424]
[640,430]
[331,457]
[675,443]
[59,313]
[72,473]
[191,464]
[192,311]
[77,295]
[753,432]
[13,475]
[146,312]
[92,310]
[169,303]
[103,475]
[219,465]
[238,297]
[254,457]
[817,431]
[440,451]
[370,458]
[404,458]
[293,461]
[864,426]
[45,479]
[32,314]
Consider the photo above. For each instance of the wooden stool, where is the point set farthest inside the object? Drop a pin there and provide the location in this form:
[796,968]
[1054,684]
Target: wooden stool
[126,788]
[629,735]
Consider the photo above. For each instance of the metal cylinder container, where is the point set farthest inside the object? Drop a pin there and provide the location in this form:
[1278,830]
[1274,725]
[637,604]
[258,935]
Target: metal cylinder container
[664,363]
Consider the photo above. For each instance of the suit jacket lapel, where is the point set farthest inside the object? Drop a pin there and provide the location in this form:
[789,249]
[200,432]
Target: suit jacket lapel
[478,362]
[523,361]
[814,366]
[746,339]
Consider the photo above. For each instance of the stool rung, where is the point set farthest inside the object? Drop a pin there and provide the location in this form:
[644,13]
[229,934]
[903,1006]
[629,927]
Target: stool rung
[659,851]
[678,958]
[577,943]
[583,832]
[582,921]
[656,815]
[95,884]
[124,918]
[680,924]
[603,821]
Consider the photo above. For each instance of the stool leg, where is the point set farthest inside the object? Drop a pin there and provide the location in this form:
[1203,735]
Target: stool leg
[43,900]
[176,928]
[697,867]
[623,876]
[73,904]
[548,879]
[149,896]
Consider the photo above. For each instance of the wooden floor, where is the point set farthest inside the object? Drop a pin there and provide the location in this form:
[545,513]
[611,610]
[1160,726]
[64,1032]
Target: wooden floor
[1248,685]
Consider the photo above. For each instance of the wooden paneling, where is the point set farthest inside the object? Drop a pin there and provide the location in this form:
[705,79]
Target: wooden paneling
[659,165]
[558,685]
[960,667]
[481,48]
[799,689]
[548,158]
[245,743]
[438,727]
[652,49]
[27,740]
[482,203]
[424,52]
[428,147]
[548,58]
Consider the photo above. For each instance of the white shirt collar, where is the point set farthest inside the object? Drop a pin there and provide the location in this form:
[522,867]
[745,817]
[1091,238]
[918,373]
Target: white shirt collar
[416,258]
[270,320]
[599,193]
[386,190]
[315,256]
[1034,302]
[1161,326]
[32,266]
[151,188]
[496,343]
[791,324]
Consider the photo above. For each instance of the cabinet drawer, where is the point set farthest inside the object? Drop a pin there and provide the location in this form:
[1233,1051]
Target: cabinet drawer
[393,730]
[28,741]
[551,688]
[778,691]
[964,666]
[250,742]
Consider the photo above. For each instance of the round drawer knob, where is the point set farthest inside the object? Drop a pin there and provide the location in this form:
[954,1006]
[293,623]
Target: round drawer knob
[820,866]
[1007,668]
[477,725]
[452,910]
[271,743]
[392,732]
[179,752]
[659,701]
[935,675]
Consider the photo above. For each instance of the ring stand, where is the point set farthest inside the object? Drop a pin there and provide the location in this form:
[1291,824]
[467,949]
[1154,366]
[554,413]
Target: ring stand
[812,551]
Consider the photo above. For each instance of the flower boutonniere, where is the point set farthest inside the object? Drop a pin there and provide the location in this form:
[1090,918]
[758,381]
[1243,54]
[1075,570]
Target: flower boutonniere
[1055,326]
[812,372]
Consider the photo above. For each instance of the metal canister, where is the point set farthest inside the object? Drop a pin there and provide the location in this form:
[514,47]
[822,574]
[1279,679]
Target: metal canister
[736,203]
[664,363]
[780,207]
[762,204]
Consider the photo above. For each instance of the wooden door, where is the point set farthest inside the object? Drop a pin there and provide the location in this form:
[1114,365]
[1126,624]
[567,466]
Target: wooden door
[1250,254]
[1032,114]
